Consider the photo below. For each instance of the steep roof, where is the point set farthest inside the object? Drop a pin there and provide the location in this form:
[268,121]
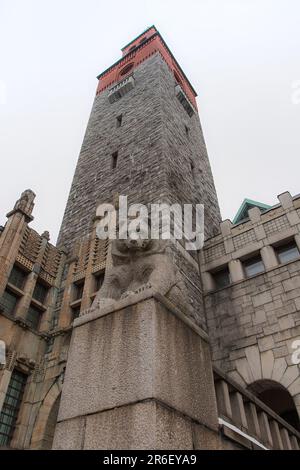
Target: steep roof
[247,204]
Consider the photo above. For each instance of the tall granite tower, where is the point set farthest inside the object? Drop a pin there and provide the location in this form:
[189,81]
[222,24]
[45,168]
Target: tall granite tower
[139,372]
[143,139]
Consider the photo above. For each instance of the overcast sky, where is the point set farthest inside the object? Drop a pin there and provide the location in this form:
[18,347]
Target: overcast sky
[242,57]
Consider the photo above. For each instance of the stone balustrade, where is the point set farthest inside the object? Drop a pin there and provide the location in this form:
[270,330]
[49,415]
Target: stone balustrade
[248,421]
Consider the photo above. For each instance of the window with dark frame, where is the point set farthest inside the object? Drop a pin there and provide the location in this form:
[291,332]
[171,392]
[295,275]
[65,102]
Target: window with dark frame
[287,252]
[253,266]
[99,278]
[49,346]
[221,278]
[11,406]
[114,160]
[75,312]
[8,302]
[119,120]
[17,277]
[78,290]
[34,316]
[40,292]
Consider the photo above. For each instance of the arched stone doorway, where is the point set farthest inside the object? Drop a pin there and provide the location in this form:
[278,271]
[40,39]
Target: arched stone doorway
[50,425]
[43,431]
[276,397]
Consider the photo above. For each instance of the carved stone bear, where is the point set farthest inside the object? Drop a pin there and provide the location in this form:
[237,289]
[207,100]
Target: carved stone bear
[141,265]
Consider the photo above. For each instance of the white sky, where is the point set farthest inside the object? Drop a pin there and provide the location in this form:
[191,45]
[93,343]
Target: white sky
[242,57]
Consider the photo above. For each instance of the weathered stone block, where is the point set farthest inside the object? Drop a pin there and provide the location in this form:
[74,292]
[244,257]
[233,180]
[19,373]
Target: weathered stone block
[137,354]
[144,425]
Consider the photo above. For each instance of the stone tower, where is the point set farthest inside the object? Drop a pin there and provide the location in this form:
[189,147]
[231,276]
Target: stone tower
[144,141]
[124,345]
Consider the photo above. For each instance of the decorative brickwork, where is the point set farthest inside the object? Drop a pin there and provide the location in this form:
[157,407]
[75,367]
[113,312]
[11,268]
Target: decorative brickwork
[214,252]
[276,225]
[244,239]
[30,245]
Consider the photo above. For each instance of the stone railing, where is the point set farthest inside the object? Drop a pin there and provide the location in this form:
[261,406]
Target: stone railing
[248,421]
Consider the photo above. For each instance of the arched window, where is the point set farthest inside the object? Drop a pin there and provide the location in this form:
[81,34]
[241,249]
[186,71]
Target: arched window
[276,397]
[126,69]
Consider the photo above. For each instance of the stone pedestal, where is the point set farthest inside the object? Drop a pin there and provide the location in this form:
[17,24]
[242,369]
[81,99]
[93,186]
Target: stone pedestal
[138,378]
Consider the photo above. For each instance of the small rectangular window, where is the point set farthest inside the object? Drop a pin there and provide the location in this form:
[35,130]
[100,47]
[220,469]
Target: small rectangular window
[253,266]
[78,290]
[114,160]
[8,302]
[221,278]
[11,406]
[75,312]
[33,317]
[192,168]
[17,277]
[99,278]
[187,131]
[288,252]
[40,292]
[119,120]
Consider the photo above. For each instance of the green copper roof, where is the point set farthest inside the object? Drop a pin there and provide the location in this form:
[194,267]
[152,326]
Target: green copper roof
[247,204]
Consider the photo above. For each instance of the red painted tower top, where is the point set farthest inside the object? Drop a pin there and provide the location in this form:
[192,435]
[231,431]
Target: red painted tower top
[138,50]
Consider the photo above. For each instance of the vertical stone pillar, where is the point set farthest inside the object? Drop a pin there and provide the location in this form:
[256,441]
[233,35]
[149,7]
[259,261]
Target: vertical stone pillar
[25,300]
[89,280]
[208,282]
[269,257]
[5,375]
[297,240]
[52,296]
[13,233]
[137,377]
[65,316]
[236,270]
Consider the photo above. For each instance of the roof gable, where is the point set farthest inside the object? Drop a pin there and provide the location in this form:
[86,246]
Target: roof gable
[247,204]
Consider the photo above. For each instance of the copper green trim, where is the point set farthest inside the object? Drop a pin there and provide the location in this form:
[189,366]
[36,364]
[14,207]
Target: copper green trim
[246,205]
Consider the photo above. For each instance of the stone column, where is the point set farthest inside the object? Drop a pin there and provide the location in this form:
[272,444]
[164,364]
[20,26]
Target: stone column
[89,280]
[269,257]
[5,376]
[236,270]
[25,300]
[138,377]
[297,240]
[12,234]
[65,315]
[208,282]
